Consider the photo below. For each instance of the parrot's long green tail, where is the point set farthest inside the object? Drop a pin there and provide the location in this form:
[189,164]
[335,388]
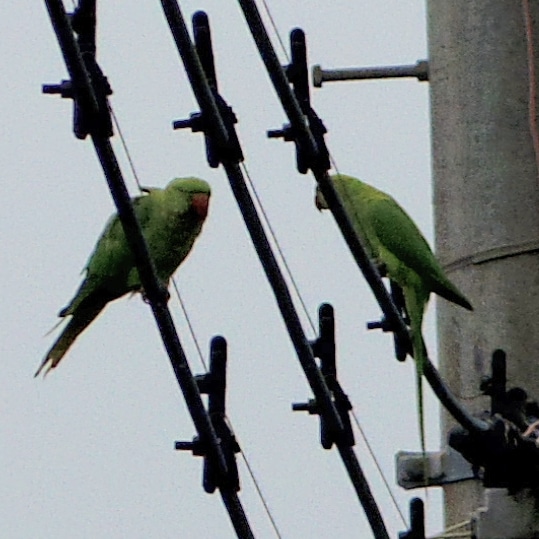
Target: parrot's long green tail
[415,300]
[420,358]
[81,318]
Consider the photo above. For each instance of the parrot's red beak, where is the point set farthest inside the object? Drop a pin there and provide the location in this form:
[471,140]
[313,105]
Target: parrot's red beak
[200,203]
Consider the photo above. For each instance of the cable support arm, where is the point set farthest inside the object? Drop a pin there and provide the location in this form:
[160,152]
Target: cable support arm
[420,70]
[155,292]
[222,131]
[305,138]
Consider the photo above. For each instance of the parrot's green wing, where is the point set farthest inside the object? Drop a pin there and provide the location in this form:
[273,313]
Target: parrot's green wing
[397,233]
[111,261]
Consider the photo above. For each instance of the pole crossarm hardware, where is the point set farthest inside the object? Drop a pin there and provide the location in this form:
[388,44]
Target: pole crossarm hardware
[216,126]
[507,455]
[84,90]
[304,137]
[420,71]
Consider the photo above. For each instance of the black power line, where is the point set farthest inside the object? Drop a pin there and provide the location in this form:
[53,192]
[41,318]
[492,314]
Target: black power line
[84,95]
[223,138]
[306,140]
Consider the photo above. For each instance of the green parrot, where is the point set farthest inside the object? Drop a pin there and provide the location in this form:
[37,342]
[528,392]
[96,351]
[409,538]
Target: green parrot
[395,244]
[170,218]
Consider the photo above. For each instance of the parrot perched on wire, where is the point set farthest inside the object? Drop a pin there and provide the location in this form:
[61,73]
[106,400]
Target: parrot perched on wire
[395,244]
[170,218]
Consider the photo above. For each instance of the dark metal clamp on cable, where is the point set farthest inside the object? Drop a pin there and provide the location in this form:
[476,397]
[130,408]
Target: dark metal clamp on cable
[215,153]
[298,75]
[85,122]
[213,384]
[507,454]
[417,521]
[402,345]
[324,348]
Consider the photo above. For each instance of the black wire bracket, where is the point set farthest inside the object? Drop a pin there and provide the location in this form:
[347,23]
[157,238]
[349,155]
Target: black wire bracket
[298,75]
[83,24]
[417,521]
[213,384]
[197,122]
[323,348]
[507,454]
[402,345]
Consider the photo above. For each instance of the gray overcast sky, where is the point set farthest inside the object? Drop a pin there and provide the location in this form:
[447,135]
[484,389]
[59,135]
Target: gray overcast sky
[88,452]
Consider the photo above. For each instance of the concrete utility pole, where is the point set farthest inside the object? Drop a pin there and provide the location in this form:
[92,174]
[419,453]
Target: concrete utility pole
[486,203]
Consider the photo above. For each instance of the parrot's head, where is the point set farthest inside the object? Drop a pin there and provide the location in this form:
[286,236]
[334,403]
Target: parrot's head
[199,192]
[319,200]
[343,185]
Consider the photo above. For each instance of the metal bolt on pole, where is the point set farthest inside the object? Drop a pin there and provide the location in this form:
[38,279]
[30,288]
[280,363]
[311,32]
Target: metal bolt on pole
[420,71]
